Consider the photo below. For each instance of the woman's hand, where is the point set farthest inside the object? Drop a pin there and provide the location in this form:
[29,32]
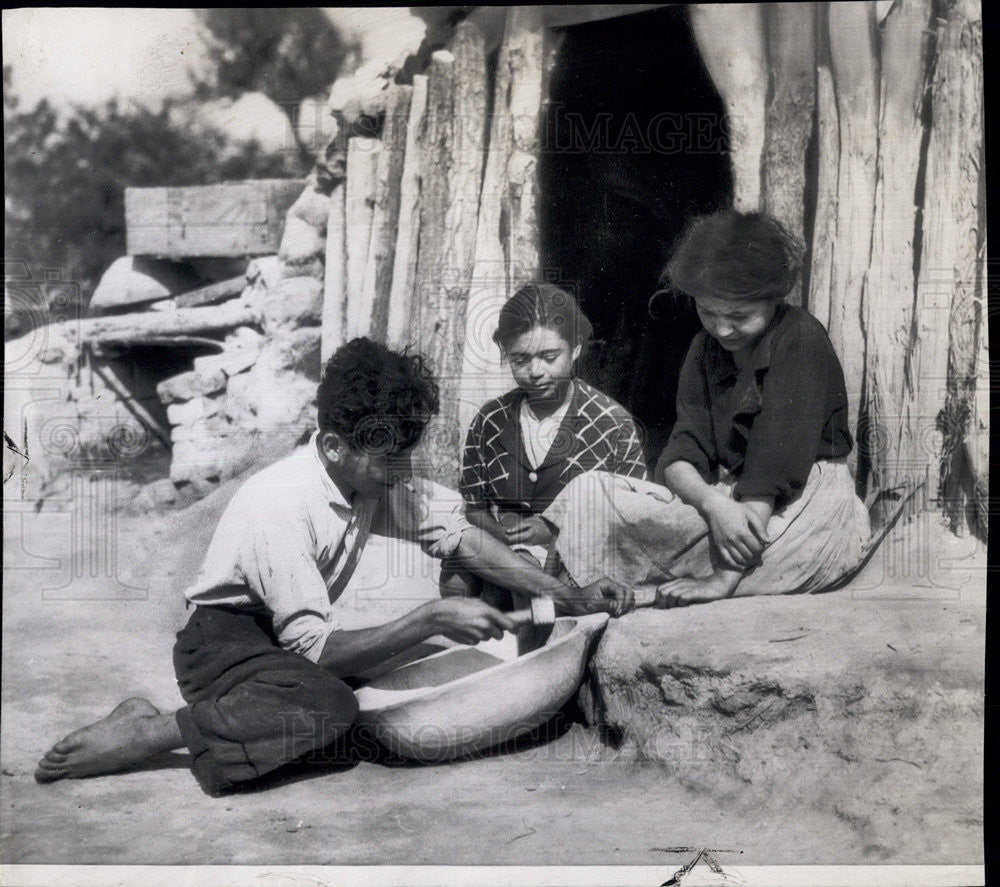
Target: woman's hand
[738,531]
[526,530]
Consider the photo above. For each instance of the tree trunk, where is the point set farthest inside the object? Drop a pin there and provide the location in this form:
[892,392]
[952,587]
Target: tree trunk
[334,318]
[950,268]
[825,223]
[404,268]
[790,29]
[385,220]
[979,425]
[135,329]
[432,319]
[506,251]
[359,209]
[889,288]
[731,40]
[457,156]
[855,71]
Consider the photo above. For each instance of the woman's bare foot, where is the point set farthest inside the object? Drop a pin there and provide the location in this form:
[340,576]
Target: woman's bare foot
[131,733]
[682,592]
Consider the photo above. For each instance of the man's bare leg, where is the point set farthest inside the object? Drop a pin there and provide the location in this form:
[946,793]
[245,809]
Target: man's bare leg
[134,731]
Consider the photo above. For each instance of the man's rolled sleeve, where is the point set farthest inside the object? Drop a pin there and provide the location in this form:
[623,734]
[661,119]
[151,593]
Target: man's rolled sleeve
[430,514]
[691,439]
[279,563]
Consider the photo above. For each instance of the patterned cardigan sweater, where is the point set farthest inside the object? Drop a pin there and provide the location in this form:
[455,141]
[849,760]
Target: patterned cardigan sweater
[596,434]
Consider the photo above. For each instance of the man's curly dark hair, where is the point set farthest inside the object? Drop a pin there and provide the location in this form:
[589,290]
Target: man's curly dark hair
[377,400]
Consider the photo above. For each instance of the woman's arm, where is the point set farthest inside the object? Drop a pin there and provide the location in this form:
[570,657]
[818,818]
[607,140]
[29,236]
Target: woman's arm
[474,484]
[481,518]
[739,529]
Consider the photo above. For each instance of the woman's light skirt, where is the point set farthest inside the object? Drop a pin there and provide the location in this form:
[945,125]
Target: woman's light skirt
[639,534]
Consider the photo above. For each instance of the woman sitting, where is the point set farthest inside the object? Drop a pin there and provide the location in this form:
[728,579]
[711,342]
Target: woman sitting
[757,457]
[524,447]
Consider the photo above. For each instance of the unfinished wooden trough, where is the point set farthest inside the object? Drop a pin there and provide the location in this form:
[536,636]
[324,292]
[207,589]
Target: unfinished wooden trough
[468,698]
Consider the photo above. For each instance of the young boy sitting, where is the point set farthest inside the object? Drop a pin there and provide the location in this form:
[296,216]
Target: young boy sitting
[260,661]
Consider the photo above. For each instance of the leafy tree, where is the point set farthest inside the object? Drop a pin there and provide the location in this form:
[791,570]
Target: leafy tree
[288,54]
[66,176]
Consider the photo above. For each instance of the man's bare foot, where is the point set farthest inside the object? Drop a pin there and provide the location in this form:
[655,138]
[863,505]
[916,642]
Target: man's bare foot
[682,592]
[131,733]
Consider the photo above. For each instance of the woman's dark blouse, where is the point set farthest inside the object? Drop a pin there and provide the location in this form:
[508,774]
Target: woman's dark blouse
[769,422]
[596,434]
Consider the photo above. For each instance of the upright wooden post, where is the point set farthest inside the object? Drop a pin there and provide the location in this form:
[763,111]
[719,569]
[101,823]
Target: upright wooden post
[454,126]
[506,252]
[377,280]
[731,40]
[404,267]
[334,316]
[359,209]
[855,72]
[791,50]
[825,222]
[889,287]
[951,284]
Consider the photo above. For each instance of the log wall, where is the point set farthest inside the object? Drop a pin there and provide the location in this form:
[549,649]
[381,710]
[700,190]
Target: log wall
[897,236]
[858,124]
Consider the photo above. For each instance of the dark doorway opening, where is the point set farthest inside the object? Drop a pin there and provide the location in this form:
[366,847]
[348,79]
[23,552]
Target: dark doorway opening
[635,146]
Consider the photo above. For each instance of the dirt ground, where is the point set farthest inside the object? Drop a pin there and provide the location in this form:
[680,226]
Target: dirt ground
[89,617]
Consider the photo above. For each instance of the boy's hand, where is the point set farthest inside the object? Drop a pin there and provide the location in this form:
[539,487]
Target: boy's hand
[738,531]
[467,620]
[603,596]
[526,530]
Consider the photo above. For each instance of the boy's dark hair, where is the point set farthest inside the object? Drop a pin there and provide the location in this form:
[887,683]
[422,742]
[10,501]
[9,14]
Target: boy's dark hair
[734,255]
[377,400]
[545,305]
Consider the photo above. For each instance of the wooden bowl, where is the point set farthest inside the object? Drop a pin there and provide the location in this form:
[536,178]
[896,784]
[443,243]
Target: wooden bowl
[464,699]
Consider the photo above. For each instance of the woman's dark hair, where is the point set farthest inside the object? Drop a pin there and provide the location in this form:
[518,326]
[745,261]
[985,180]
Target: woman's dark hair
[377,400]
[734,255]
[542,304]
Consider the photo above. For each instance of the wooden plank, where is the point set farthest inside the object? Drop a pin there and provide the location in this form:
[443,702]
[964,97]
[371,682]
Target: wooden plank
[232,219]
[731,39]
[404,268]
[359,209]
[855,72]
[213,293]
[137,328]
[446,259]
[951,297]
[334,315]
[566,14]
[506,253]
[377,280]
[889,286]
[432,319]
[825,221]
[790,29]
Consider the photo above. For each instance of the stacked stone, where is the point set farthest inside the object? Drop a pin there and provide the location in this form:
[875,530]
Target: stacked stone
[257,395]
[202,426]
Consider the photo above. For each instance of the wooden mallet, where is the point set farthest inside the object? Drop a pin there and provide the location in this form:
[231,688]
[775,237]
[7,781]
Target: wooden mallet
[542,612]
